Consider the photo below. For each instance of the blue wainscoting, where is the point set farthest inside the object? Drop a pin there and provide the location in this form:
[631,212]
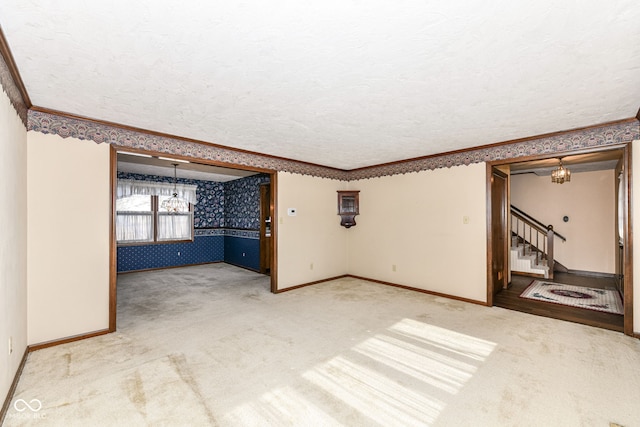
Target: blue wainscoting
[242,248]
[238,247]
[203,249]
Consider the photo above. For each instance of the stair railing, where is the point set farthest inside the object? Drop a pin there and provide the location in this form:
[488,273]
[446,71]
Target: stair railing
[537,239]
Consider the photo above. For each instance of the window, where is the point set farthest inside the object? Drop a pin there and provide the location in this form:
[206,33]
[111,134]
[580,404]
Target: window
[174,226]
[134,219]
[140,219]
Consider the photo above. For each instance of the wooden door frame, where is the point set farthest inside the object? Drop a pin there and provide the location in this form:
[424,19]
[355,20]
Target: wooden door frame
[491,169]
[113,256]
[265,212]
[627,221]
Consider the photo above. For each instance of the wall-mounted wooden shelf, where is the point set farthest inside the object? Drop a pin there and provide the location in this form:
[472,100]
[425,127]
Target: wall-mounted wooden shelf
[348,207]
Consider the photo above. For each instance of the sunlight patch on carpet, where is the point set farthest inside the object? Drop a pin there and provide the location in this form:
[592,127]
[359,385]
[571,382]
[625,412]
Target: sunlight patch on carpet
[373,394]
[439,359]
[280,404]
[454,342]
[438,370]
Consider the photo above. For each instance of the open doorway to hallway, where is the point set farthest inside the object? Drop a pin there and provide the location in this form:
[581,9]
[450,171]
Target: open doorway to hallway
[590,213]
[510,298]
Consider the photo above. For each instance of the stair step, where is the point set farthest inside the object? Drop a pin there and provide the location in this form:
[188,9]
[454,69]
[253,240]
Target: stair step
[530,263]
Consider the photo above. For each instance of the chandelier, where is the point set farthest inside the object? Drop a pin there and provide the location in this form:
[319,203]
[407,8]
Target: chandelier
[174,204]
[561,174]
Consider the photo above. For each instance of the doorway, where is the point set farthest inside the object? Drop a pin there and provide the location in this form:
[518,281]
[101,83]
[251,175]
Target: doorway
[265,228]
[621,165]
[243,230]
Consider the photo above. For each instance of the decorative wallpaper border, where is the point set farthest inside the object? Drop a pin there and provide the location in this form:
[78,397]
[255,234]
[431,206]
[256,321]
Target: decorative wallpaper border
[10,87]
[245,234]
[597,136]
[209,232]
[231,232]
[101,133]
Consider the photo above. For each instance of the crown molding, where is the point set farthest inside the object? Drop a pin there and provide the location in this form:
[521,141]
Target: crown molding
[602,135]
[166,135]
[12,82]
[67,125]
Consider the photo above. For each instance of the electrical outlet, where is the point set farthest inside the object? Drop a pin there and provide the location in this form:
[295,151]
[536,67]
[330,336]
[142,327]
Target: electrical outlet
[465,219]
[311,266]
[393,267]
[10,345]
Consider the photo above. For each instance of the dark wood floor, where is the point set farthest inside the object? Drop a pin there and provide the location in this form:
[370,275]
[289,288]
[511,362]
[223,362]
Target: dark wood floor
[510,298]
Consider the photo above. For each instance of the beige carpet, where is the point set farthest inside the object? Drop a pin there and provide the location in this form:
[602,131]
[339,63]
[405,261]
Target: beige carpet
[210,345]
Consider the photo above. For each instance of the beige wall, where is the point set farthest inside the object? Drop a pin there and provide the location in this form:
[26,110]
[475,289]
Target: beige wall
[13,242]
[412,221]
[415,222]
[68,237]
[314,235]
[589,202]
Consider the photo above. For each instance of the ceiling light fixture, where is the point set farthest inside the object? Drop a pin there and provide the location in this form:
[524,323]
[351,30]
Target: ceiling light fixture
[561,174]
[174,204]
[174,160]
[126,153]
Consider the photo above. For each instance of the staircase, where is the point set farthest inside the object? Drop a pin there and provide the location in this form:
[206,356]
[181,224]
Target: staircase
[528,261]
[531,245]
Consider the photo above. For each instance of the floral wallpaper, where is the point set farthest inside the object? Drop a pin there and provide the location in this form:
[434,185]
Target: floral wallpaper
[233,204]
[209,211]
[242,202]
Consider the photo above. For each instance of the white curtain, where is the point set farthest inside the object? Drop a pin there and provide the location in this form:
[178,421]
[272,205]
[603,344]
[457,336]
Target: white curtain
[134,227]
[130,187]
[174,226]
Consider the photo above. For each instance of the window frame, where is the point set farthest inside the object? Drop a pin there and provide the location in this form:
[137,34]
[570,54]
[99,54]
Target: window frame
[155,213]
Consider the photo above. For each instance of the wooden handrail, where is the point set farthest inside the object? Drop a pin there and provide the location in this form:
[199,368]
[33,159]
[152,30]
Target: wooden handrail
[530,232]
[525,215]
[530,223]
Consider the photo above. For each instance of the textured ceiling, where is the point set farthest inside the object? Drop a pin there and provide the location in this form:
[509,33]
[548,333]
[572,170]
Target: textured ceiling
[339,83]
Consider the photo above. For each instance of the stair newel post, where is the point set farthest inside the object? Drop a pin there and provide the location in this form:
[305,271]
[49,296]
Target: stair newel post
[550,250]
